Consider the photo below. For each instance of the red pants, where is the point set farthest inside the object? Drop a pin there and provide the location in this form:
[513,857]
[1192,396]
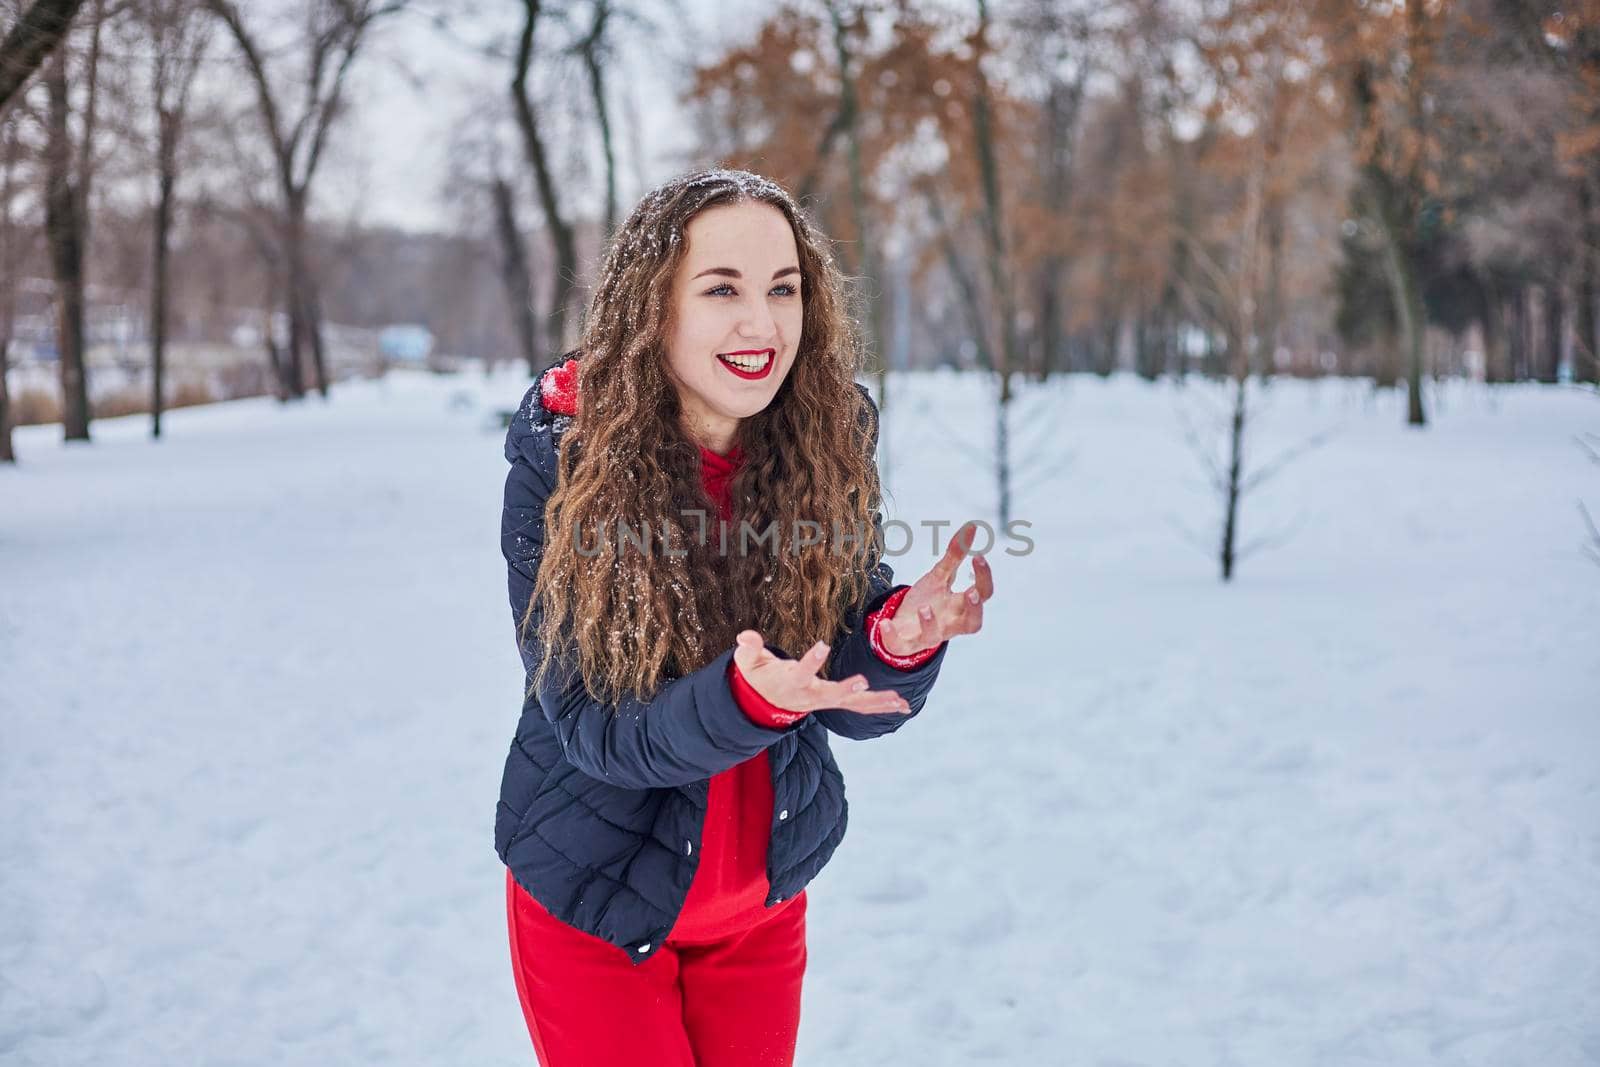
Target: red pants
[733,1002]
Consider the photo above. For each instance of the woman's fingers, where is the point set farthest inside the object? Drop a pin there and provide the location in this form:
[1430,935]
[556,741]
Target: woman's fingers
[902,630]
[795,684]
[749,650]
[972,617]
[954,553]
[868,701]
[815,657]
[982,577]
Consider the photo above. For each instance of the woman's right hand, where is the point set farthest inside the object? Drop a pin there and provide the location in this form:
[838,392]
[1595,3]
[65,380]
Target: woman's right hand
[793,684]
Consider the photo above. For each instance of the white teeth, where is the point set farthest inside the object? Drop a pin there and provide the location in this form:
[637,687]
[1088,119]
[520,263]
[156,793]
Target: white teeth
[747,362]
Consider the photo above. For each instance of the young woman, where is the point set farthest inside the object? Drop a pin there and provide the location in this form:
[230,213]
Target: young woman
[691,527]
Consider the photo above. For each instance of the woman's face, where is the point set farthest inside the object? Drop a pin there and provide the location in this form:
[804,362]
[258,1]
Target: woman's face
[736,320]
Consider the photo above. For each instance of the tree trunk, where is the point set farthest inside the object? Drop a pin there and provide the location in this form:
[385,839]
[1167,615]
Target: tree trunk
[1586,349]
[313,321]
[1063,105]
[303,294]
[1272,313]
[593,47]
[565,281]
[64,228]
[1002,452]
[158,288]
[277,358]
[1048,284]
[1392,203]
[1230,515]
[1149,344]
[291,358]
[861,212]
[1416,349]
[1549,350]
[1406,291]
[32,38]
[1491,321]
[7,453]
[966,285]
[1517,335]
[9,260]
[1106,358]
[1273,209]
[514,273]
[294,302]
[993,214]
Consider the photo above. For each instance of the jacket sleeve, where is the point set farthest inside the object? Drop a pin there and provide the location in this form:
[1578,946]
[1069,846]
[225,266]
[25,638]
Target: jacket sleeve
[852,650]
[690,730]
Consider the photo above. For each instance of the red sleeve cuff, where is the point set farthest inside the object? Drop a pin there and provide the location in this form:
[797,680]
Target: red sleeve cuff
[875,622]
[757,707]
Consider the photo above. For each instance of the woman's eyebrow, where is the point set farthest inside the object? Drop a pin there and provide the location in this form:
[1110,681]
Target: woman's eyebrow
[729,272]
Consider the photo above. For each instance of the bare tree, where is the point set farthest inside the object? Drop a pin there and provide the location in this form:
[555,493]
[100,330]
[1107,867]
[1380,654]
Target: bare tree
[69,167]
[1055,43]
[594,49]
[515,274]
[11,257]
[249,204]
[1229,294]
[565,281]
[334,33]
[179,37]
[1232,284]
[848,23]
[33,37]
[1393,57]
[994,228]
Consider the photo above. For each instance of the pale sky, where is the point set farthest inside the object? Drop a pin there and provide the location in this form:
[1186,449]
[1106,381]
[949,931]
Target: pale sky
[394,143]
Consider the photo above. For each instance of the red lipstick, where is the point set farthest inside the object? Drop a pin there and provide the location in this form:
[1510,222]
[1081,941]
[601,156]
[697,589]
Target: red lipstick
[750,375]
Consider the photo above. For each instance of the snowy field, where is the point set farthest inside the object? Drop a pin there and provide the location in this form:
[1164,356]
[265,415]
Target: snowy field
[257,683]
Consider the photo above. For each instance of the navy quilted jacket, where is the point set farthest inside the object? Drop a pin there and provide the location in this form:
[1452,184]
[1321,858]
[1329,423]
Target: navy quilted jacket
[602,805]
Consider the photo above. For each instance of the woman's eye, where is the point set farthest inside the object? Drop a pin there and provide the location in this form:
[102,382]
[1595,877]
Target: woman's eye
[719,290]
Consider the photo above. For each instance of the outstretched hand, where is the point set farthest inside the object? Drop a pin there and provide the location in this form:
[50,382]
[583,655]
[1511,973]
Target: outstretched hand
[793,684]
[932,612]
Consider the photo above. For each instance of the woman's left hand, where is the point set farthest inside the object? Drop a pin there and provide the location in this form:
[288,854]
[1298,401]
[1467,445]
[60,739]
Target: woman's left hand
[932,611]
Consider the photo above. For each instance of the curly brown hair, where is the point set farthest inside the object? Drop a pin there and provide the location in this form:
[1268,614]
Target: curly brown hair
[639,618]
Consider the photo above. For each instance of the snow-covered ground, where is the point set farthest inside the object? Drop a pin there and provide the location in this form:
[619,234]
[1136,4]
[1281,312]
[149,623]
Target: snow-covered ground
[257,682]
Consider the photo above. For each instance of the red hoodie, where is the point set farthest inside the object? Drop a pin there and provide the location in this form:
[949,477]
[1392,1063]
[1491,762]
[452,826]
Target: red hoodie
[730,885]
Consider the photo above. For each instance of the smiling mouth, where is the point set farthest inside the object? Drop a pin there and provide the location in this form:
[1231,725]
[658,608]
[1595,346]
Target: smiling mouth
[751,366]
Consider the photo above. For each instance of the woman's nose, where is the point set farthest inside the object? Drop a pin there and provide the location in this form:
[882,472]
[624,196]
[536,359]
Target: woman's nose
[757,322]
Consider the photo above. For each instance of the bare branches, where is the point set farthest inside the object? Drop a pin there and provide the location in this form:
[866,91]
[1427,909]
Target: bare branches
[1190,537]
[330,45]
[561,231]
[1286,457]
[593,48]
[1215,475]
[1231,484]
[229,14]
[35,36]
[1592,549]
[1590,443]
[1270,540]
[332,39]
